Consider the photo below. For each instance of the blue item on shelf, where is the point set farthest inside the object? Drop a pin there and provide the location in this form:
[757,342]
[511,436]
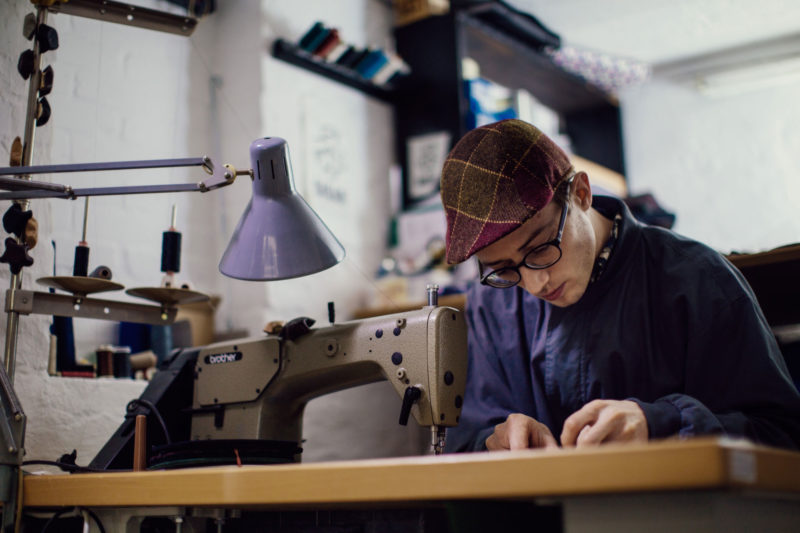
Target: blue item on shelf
[311,34]
[488,102]
[373,62]
[316,40]
[365,60]
[347,56]
[356,58]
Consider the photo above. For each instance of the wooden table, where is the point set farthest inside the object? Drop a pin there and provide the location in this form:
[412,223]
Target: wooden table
[636,480]
[669,465]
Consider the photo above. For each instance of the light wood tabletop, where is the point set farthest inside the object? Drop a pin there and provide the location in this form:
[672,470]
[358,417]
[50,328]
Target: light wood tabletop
[695,464]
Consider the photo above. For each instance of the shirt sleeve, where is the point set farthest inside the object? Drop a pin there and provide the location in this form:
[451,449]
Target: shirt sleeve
[736,381]
[496,378]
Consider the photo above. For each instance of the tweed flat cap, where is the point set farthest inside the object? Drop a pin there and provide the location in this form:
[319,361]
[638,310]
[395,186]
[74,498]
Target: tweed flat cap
[496,178]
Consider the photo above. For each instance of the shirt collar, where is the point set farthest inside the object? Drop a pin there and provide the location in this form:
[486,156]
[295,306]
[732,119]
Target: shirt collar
[608,248]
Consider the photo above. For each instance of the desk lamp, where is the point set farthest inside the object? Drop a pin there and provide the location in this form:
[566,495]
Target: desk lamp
[278,237]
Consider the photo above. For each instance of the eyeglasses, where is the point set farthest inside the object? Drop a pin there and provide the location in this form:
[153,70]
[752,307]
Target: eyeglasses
[543,256]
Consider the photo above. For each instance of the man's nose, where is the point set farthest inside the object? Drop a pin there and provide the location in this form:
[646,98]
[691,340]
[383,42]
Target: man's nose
[534,281]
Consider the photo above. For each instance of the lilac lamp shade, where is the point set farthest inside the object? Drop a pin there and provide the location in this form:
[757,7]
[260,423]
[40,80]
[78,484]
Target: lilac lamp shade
[279,236]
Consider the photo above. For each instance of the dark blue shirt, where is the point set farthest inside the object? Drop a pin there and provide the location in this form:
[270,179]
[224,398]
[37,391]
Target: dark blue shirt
[670,324]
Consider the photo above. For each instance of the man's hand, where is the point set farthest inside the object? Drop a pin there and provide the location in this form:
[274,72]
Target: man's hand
[519,432]
[601,421]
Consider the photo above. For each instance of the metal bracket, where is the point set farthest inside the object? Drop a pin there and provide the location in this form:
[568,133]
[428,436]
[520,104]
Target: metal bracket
[46,303]
[121,13]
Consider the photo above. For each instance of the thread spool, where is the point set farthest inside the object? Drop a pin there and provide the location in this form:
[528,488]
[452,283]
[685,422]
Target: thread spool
[171,251]
[81,265]
[171,247]
[122,362]
[105,360]
[101,272]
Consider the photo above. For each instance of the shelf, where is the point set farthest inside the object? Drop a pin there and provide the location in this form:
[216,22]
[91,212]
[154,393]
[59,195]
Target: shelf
[515,24]
[515,64]
[508,46]
[291,53]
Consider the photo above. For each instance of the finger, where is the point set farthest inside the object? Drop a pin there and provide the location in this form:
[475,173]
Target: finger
[540,436]
[546,440]
[585,416]
[593,435]
[582,434]
[632,426]
[519,435]
[609,423]
[494,442]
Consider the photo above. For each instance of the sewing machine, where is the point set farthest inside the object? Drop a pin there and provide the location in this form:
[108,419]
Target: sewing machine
[247,397]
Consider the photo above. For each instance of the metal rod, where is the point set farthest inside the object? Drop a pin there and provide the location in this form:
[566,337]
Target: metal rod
[109,165]
[32,105]
[140,444]
[7,435]
[103,191]
[10,399]
[12,329]
[16,184]
[85,218]
[174,216]
[433,294]
[12,319]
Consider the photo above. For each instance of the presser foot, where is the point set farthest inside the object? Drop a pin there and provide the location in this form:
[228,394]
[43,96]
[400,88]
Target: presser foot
[437,439]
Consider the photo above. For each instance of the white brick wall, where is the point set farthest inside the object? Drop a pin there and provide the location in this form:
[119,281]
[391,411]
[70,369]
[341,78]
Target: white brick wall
[127,93]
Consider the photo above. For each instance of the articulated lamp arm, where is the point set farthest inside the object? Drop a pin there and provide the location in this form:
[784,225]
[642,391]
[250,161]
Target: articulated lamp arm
[23,189]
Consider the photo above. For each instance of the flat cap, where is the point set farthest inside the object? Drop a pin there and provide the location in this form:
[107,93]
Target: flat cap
[496,178]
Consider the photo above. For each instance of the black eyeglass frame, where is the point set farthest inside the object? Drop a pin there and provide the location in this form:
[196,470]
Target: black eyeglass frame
[555,242]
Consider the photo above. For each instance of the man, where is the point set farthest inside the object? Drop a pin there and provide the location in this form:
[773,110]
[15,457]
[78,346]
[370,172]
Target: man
[589,327]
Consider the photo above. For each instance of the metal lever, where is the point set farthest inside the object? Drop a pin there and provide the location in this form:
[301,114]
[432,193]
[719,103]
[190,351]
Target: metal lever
[411,395]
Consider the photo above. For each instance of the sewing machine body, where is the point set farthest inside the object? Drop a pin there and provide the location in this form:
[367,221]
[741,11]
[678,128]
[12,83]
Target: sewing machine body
[256,389]
[261,385]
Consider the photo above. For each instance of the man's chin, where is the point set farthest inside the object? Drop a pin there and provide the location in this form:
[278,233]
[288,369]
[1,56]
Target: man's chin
[570,296]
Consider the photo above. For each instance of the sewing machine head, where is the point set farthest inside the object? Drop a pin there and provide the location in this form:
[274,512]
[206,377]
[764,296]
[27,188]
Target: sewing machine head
[245,398]
[258,388]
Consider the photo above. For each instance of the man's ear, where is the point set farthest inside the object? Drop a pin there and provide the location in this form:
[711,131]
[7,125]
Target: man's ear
[583,190]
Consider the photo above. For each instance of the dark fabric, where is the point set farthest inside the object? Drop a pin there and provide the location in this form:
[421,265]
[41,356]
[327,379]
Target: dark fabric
[495,178]
[671,324]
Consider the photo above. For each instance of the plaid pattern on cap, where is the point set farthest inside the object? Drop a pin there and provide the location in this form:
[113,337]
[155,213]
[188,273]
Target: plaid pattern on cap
[496,178]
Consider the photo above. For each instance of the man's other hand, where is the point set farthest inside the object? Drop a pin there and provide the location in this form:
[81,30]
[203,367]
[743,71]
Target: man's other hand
[519,432]
[601,421]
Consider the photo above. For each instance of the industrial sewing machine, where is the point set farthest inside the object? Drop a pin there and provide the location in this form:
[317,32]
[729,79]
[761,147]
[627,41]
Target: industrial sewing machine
[244,400]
